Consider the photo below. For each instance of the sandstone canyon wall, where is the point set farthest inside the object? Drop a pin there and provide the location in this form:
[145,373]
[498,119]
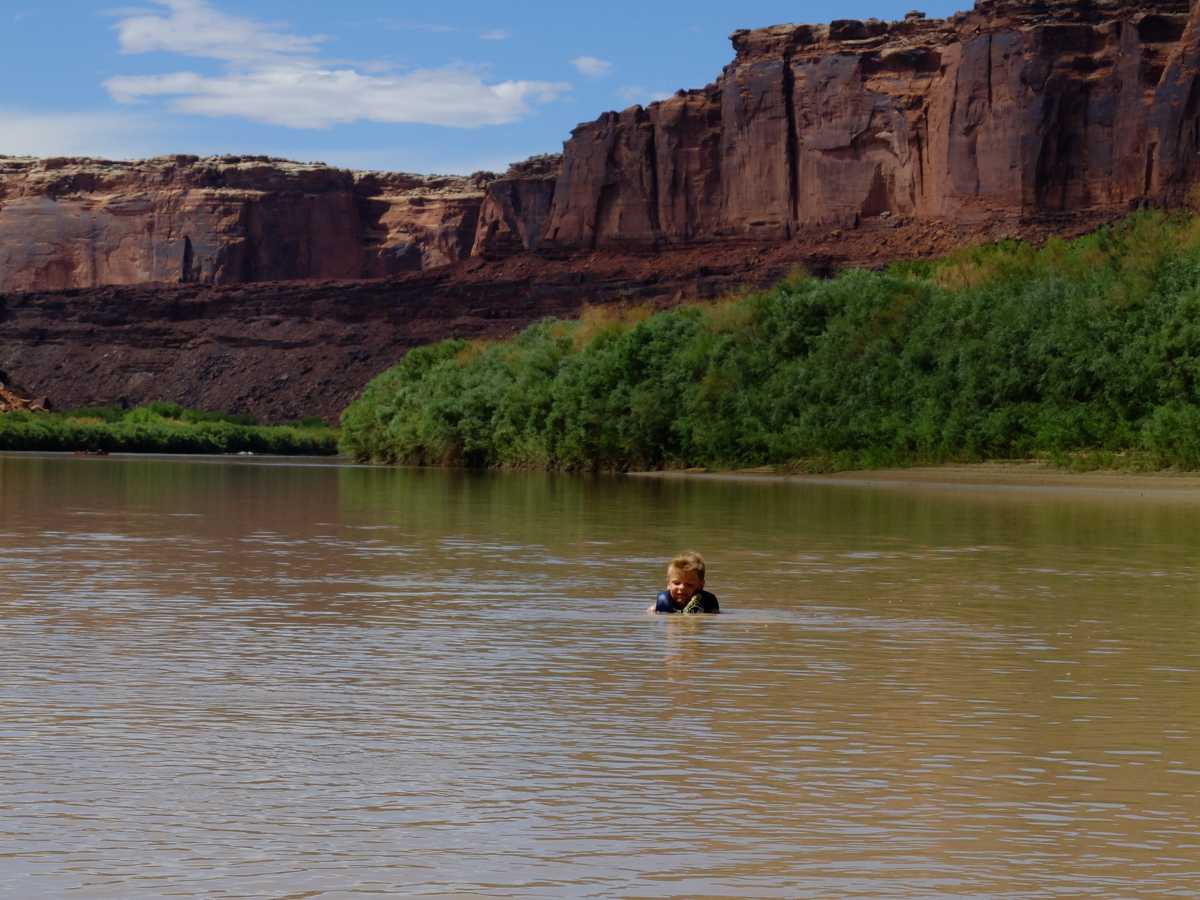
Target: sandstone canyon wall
[70,223]
[1010,111]
[852,143]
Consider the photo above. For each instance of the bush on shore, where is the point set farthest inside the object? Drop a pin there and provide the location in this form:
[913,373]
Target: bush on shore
[1001,351]
[160,428]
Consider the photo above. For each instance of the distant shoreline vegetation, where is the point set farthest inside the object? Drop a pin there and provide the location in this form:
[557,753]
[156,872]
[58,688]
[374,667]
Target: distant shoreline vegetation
[161,428]
[1086,352]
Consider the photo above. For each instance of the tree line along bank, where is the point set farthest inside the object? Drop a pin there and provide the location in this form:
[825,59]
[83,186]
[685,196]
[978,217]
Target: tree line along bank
[1084,350]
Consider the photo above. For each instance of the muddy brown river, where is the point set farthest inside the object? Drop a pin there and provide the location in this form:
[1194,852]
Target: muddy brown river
[261,678]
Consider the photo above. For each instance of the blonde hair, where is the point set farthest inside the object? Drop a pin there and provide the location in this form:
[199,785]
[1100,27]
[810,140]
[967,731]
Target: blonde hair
[688,561]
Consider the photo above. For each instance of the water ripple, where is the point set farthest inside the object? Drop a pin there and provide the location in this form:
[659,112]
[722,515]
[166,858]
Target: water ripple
[322,694]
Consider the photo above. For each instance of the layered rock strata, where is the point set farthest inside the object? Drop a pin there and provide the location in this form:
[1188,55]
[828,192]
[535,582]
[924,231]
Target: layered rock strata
[69,223]
[1012,110]
[515,208]
[282,350]
[852,143]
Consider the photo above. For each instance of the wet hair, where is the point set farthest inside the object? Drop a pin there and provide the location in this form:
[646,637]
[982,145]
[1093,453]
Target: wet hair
[688,561]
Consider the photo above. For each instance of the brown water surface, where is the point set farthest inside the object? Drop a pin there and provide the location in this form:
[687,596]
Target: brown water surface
[249,678]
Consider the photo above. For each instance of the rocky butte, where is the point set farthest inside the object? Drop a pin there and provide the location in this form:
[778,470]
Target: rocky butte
[822,145]
[69,223]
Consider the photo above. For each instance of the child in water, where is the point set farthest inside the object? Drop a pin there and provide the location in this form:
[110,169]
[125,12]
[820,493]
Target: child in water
[685,588]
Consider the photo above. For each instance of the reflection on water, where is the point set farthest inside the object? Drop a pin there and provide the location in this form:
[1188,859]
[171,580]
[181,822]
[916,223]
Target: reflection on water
[260,680]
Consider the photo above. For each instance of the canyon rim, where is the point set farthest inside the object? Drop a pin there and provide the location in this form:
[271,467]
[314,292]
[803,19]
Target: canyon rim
[256,285]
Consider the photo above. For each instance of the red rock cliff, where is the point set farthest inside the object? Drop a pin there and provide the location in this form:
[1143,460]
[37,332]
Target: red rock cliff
[1013,110]
[828,146]
[70,223]
[1008,112]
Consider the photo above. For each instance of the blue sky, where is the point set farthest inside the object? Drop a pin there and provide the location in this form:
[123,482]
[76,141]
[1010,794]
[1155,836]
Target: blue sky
[402,86]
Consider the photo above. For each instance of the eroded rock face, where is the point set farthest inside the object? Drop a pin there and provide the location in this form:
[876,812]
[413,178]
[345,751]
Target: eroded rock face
[70,223]
[853,143]
[515,208]
[281,350]
[12,400]
[1012,110]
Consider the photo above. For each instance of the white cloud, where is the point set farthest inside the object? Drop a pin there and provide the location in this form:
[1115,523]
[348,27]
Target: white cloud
[276,77]
[591,66]
[427,27]
[496,34]
[315,97]
[193,28]
[110,136]
[634,93]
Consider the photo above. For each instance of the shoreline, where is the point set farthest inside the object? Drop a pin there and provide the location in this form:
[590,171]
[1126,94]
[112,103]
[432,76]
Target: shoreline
[998,477]
[1004,477]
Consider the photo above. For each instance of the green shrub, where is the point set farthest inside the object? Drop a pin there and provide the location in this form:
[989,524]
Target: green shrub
[1089,347]
[158,428]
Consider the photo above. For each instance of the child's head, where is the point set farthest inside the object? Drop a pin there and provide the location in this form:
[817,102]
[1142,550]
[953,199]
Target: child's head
[685,576]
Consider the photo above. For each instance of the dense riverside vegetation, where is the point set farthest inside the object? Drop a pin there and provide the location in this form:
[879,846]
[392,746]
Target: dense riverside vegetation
[1087,349]
[160,428]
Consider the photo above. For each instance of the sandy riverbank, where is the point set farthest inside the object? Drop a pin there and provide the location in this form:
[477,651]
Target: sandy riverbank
[1002,477]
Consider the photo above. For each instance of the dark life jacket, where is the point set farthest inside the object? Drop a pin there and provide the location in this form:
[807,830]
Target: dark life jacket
[702,602]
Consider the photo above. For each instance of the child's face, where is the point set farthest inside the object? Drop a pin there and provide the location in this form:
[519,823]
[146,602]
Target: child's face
[682,586]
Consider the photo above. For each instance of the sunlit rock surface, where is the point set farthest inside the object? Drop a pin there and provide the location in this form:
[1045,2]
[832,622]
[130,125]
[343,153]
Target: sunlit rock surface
[71,223]
[1011,110]
[276,288]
